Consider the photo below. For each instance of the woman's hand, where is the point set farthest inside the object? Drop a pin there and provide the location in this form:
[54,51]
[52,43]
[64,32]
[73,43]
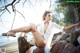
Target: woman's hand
[77,24]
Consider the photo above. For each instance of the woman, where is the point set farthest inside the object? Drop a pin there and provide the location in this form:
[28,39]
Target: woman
[41,34]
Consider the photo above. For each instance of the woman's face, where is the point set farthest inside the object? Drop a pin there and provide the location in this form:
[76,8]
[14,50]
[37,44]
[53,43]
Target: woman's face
[48,17]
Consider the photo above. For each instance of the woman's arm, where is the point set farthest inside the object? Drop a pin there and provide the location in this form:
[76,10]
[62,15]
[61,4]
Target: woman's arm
[71,26]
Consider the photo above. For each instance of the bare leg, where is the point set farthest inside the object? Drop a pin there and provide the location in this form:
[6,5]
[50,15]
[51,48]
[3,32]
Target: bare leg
[14,31]
[39,41]
[22,29]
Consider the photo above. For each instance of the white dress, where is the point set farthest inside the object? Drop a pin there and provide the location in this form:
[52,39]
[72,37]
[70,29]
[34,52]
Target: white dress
[52,29]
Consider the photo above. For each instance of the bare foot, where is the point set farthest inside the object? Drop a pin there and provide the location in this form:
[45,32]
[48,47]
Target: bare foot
[10,33]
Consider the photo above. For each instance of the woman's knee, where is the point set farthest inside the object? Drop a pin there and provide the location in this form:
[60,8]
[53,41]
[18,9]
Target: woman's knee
[33,27]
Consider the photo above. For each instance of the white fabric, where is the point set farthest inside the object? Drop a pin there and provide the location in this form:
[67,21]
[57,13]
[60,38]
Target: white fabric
[78,39]
[52,29]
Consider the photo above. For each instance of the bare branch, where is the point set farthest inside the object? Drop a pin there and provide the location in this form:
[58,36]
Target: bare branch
[7,10]
[1,15]
[2,10]
[24,2]
[0,1]
[35,2]
[17,2]
[21,15]
[5,1]
[5,7]
[50,4]
[32,5]
[41,2]
[15,16]
[13,6]
[10,3]
[13,20]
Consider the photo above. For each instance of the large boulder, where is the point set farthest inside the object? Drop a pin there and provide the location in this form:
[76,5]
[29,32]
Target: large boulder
[58,47]
[63,47]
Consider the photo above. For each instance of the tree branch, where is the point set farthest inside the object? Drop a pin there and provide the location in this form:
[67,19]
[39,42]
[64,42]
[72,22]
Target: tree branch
[17,2]
[24,2]
[1,15]
[13,20]
[1,18]
[41,2]
[21,15]
[6,6]
[50,3]
[32,5]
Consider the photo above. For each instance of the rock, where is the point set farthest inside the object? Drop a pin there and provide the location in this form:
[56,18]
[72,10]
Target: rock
[58,47]
[69,48]
[63,47]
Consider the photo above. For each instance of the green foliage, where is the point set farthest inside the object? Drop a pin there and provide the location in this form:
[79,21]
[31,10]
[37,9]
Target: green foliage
[69,12]
[69,16]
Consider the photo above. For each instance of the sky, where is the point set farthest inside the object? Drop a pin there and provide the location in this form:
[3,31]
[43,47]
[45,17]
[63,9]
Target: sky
[32,12]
